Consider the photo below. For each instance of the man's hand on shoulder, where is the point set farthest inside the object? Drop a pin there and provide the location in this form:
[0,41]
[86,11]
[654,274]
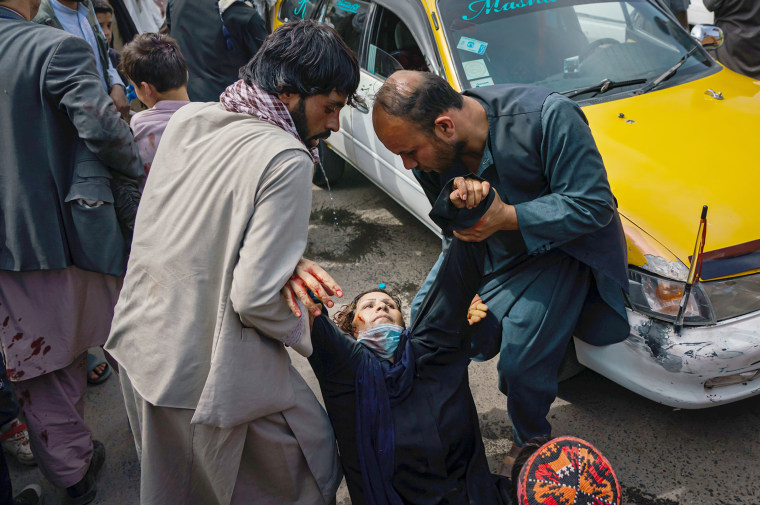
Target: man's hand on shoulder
[499,216]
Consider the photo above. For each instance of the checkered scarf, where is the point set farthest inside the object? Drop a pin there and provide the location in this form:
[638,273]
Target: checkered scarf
[240,97]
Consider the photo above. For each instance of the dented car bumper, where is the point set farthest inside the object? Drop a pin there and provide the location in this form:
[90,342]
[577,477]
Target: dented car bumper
[702,367]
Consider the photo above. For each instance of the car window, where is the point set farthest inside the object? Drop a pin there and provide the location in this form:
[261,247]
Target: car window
[348,17]
[392,46]
[294,10]
[564,45]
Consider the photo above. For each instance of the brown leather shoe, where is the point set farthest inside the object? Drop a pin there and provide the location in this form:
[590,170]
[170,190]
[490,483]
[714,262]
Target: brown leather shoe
[505,468]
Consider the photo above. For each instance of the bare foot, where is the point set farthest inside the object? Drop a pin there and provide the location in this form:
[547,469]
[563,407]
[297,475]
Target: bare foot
[98,369]
[97,372]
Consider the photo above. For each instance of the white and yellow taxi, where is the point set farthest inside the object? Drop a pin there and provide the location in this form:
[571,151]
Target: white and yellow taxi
[676,130]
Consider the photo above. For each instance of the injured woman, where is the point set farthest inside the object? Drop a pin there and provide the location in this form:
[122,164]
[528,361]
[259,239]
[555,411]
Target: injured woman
[399,398]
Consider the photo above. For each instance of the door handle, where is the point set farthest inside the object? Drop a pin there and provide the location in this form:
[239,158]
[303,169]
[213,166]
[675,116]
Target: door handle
[360,103]
[362,107]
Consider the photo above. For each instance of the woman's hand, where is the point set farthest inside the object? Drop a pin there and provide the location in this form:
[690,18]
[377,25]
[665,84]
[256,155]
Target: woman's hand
[309,275]
[477,310]
[468,192]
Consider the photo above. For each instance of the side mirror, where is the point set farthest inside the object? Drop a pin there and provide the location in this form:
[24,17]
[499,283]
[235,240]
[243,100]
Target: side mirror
[710,36]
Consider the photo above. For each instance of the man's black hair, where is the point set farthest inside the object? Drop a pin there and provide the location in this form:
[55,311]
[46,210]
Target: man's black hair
[306,58]
[421,105]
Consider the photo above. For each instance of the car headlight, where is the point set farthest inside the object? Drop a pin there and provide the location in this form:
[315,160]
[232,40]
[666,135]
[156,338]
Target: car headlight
[735,296]
[659,297]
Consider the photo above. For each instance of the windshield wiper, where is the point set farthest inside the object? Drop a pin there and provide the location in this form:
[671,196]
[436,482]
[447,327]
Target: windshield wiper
[602,87]
[668,73]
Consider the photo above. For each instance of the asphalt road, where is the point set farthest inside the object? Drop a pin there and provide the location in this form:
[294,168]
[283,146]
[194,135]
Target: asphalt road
[662,456]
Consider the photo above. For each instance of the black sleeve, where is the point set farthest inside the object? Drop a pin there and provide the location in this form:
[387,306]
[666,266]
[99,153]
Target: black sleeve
[126,199]
[431,183]
[444,310]
[450,218]
[336,356]
[127,28]
[247,28]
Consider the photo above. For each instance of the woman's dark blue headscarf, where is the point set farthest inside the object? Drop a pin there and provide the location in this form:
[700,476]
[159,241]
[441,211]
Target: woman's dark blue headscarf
[380,385]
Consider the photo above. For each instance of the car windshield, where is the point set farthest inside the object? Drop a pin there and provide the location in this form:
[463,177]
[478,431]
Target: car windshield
[579,47]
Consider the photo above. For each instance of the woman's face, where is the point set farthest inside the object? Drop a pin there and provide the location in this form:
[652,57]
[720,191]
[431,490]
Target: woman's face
[376,308]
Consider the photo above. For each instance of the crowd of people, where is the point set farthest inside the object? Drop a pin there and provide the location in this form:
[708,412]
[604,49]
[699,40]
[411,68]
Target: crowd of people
[171,231]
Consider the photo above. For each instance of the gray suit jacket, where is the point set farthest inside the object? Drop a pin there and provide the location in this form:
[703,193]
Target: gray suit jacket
[51,97]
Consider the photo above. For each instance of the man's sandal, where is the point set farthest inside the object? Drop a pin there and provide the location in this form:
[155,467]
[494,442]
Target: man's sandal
[92,363]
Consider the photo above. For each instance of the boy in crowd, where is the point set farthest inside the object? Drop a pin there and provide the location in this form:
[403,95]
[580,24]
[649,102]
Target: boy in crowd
[156,68]
[104,14]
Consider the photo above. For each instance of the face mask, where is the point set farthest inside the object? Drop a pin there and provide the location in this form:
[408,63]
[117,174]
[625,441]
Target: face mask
[382,339]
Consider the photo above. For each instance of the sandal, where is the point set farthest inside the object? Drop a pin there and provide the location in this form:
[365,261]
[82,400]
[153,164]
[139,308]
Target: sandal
[92,363]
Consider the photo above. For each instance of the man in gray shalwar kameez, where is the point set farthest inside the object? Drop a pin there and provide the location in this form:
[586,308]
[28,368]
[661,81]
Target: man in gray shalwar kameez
[218,413]
[556,263]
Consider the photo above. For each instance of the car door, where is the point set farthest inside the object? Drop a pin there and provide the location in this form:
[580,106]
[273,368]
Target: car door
[389,45]
[348,18]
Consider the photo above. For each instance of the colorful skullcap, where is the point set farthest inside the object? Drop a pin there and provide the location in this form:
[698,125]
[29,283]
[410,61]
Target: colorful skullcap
[567,471]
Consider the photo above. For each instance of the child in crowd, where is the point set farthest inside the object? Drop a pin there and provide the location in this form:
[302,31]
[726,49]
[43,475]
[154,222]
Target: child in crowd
[156,68]
[104,13]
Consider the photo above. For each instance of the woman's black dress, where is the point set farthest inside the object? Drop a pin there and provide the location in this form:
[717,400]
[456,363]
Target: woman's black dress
[439,453]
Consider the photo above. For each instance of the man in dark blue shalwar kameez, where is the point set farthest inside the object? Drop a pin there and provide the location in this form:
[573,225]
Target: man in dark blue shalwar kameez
[556,260]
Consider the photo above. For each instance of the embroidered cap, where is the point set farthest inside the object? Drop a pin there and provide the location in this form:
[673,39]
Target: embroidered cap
[567,471]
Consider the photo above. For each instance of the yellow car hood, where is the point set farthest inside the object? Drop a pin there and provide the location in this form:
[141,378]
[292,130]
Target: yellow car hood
[679,148]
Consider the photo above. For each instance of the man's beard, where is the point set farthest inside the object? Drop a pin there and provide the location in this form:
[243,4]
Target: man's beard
[448,156]
[302,124]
